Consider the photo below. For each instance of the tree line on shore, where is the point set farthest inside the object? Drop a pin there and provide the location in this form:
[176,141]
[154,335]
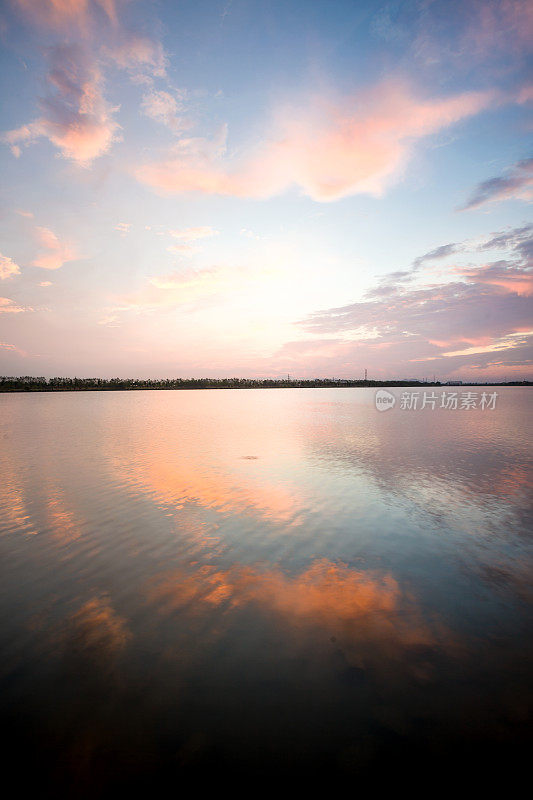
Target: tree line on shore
[32,384]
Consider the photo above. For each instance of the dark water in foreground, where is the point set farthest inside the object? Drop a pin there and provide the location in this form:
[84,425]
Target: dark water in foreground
[278,582]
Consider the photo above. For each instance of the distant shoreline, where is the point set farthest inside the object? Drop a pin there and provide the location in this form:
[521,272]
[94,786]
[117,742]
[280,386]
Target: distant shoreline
[27,384]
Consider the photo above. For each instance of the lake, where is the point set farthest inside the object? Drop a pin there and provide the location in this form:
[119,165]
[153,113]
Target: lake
[268,582]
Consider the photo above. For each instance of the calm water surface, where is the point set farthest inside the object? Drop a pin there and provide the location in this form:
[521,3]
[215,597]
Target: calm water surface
[283,582]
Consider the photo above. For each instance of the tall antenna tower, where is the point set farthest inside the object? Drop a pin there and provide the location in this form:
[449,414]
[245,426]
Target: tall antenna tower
[365,374]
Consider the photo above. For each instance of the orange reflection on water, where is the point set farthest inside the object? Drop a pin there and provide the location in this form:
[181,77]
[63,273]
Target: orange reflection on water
[325,590]
[227,453]
[368,612]
[176,483]
[15,512]
[96,631]
[62,519]
[512,482]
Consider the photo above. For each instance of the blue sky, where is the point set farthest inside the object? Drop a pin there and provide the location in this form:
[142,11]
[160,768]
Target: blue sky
[251,188]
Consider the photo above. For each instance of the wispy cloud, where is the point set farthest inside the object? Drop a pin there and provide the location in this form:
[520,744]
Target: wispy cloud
[75,115]
[8,306]
[492,26]
[517,184]
[443,251]
[462,36]
[142,57]
[328,150]
[12,347]
[69,15]
[97,25]
[110,321]
[517,240]
[167,108]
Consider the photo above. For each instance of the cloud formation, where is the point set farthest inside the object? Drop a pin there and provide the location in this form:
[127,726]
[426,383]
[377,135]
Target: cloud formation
[496,25]
[514,279]
[164,107]
[142,57]
[518,240]
[55,252]
[8,268]
[8,306]
[517,184]
[481,310]
[443,251]
[359,145]
[75,116]
[81,16]
[13,349]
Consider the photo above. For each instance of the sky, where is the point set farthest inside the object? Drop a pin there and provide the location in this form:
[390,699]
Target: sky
[260,187]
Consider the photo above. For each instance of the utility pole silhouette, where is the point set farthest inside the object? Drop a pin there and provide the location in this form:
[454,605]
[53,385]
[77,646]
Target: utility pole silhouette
[365,374]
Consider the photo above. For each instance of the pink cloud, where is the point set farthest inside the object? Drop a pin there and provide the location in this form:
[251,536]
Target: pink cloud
[525,95]
[12,347]
[493,35]
[507,277]
[8,268]
[56,253]
[96,22]
[76,117]
[139,55]
[8,306]
[68,15]
[330,151]
[499,25]
[164,107]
